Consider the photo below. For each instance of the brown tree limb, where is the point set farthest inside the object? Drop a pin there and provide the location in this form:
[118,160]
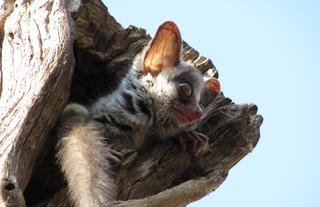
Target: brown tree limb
[179,195]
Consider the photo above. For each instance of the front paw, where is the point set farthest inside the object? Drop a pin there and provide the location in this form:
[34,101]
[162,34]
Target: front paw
[115,157]
[116,153]
[197,142]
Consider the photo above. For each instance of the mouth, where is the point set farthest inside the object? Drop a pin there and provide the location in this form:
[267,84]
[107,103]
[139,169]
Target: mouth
[187,115]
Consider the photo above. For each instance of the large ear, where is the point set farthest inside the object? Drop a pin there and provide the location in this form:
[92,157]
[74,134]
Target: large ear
[213,85]
[164,50]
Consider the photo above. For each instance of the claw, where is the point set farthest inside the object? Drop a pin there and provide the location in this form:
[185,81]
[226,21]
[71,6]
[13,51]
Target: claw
[114,155]
[198,142]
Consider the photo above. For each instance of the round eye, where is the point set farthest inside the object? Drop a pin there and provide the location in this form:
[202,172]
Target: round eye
[186,89]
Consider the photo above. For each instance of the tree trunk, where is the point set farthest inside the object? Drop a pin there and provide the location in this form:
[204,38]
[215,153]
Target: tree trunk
[37,64]
[35,78]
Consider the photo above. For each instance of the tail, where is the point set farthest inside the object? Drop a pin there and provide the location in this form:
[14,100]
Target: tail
[83,155]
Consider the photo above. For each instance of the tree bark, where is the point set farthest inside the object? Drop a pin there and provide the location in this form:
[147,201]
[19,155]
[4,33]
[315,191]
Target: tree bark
[37,64]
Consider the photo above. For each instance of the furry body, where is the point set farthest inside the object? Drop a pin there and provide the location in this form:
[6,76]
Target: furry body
[80,150]
[143,105]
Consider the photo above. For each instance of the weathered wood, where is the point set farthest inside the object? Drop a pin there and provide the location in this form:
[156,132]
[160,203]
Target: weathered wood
[179,195]
[6,7]
[37,64]
[103,50]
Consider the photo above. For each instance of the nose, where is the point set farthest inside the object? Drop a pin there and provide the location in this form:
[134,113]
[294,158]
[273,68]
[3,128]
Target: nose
[197,111]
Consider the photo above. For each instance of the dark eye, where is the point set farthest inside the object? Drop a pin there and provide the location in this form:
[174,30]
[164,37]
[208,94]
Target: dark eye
[185,89]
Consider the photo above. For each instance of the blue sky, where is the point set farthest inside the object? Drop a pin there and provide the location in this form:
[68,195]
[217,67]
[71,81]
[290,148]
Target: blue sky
[268,53]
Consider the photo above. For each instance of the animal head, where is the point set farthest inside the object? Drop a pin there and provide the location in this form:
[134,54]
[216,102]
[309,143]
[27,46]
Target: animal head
[175,86]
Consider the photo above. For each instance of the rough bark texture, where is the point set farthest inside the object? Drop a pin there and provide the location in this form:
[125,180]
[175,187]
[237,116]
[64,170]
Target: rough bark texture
[35,88]
[37,64]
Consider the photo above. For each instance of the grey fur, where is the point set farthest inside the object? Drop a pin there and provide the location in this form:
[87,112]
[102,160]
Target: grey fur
[158,94]
[83,155]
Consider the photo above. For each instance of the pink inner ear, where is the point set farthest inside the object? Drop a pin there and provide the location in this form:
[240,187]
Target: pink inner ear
[164,50]
[213,85]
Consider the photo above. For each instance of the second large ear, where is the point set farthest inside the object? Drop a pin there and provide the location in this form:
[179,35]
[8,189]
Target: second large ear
[164,50]
[213,85]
